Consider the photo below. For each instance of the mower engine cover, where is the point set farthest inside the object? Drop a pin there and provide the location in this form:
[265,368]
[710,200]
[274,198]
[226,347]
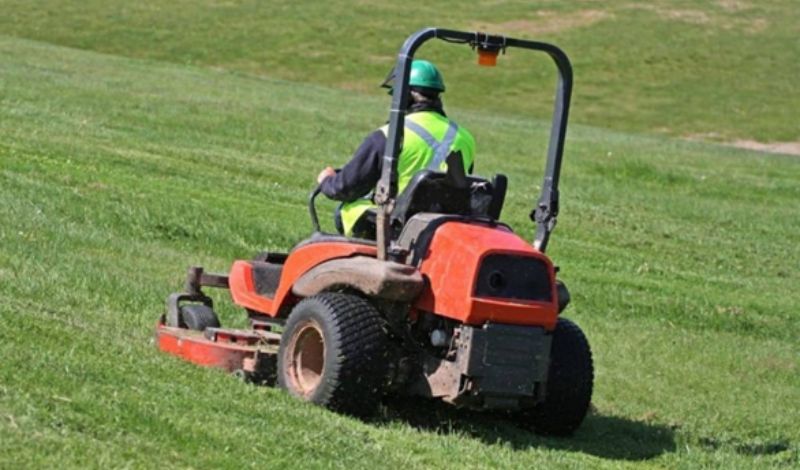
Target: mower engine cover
[479,273]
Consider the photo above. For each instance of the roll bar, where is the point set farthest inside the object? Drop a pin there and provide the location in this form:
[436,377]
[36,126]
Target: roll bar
[546,209]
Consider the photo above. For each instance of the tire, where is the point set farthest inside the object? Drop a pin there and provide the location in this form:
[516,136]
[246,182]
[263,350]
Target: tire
[198,317]
[334,353]
[569,384]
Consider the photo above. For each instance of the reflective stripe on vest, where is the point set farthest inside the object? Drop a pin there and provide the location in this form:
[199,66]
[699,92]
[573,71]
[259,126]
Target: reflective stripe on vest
[440,149]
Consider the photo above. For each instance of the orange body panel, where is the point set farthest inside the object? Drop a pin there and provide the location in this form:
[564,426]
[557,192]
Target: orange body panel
[298,263]
[243,291]
[451,267]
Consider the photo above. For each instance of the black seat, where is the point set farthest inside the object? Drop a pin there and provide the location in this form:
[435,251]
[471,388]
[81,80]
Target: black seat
[433,191]
[452,193]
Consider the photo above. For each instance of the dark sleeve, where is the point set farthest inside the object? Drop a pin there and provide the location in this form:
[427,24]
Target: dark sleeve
[360,175]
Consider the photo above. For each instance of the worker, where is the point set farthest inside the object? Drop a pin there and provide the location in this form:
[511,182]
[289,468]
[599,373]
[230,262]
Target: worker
[427,130]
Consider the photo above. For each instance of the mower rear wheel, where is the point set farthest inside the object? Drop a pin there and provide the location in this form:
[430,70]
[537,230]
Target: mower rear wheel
[198,317]
[569,384]
[334,352]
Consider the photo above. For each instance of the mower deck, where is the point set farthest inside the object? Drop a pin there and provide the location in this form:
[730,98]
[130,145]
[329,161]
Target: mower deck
[250,354]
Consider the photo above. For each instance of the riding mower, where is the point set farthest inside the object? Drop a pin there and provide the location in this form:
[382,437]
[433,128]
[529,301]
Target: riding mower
[447,303]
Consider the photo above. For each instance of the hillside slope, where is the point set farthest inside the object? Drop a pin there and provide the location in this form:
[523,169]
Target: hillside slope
[117,173]
[712,69]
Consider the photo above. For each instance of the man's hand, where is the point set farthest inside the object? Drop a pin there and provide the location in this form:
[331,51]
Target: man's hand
[328,171]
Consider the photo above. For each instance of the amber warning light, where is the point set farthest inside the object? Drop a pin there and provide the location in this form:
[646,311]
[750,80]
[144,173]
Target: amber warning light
[487,57]
[489,47]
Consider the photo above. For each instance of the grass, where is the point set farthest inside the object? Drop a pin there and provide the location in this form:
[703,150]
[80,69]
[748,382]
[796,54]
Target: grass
[720,70]
[117,171]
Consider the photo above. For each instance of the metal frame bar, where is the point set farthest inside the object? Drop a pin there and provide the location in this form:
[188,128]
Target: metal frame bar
[546,209]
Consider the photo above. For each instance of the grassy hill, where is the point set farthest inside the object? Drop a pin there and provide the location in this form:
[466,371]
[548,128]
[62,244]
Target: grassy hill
[117,171]
[719,70]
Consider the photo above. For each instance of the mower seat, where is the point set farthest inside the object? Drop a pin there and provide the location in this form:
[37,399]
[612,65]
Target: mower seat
[452,193]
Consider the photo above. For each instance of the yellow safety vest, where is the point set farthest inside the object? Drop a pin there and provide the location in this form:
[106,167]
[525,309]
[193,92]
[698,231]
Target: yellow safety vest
[428,138]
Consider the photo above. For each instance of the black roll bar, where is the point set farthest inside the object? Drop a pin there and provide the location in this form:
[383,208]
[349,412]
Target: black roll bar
[546,209]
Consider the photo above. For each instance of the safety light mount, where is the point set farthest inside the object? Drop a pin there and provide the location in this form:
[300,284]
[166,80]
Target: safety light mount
[488,47]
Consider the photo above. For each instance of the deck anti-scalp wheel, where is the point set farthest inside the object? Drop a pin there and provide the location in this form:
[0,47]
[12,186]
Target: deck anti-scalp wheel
[334,353]
[198,317]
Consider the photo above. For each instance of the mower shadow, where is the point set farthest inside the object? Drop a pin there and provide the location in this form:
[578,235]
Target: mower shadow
[608,437]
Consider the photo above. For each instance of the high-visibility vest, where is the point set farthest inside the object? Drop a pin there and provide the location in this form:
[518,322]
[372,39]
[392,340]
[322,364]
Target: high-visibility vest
[428,139]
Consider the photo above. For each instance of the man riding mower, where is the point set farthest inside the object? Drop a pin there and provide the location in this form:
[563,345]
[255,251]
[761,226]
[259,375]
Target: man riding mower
[430,136]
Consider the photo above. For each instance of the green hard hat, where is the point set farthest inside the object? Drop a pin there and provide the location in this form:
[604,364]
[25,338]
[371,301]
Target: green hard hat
[423,74]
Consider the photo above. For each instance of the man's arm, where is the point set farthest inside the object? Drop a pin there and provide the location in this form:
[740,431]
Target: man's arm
[360,175]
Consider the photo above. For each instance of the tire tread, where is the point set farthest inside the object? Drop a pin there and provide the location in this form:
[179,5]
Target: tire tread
[353,380]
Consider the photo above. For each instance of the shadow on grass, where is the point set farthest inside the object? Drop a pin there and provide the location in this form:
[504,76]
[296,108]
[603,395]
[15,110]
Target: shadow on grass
[608,437]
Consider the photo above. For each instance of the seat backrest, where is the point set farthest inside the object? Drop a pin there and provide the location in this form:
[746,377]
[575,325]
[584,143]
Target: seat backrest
[452,193]
[433,191]
[499,186]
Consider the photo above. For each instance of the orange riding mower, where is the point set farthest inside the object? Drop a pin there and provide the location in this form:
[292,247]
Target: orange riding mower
[447,303]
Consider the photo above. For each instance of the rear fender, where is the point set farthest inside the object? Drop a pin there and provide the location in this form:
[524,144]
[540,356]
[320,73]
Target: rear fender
[375,278]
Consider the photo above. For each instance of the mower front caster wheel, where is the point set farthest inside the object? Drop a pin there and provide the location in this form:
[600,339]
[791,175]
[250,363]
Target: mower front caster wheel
[333,353]
[198,317]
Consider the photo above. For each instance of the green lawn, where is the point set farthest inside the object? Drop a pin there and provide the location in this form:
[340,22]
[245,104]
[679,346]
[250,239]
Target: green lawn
[718,70]
[146,146]
[118,173]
